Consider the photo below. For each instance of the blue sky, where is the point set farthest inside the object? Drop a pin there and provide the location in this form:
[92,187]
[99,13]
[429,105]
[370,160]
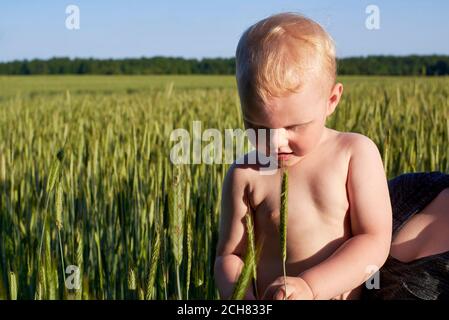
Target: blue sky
[196,29]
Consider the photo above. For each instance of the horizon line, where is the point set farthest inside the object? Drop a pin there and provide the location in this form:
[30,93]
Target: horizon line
[212,57]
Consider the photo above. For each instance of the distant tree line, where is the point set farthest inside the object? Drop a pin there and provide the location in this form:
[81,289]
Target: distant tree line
[396,66]
[154,65]
[371,65]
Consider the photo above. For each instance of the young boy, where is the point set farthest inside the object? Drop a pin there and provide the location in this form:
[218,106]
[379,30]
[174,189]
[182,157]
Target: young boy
[339,211]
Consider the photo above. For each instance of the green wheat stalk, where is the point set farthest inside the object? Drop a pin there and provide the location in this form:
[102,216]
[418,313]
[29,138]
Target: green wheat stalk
[283,223]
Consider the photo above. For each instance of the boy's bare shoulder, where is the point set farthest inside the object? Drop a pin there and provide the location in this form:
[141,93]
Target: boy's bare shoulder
[244,166]
[357,143]
[243,170]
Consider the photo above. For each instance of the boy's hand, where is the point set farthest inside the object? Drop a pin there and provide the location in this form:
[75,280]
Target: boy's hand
[297,289]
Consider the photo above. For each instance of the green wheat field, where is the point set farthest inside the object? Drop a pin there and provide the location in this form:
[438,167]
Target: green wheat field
[86,179]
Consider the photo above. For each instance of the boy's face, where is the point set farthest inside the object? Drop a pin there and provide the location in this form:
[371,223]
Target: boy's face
[296,121]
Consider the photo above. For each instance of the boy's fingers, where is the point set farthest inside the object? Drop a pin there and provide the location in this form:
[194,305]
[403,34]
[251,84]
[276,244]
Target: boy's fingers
[280,281]
[273,287]
[268,295]
[281,295]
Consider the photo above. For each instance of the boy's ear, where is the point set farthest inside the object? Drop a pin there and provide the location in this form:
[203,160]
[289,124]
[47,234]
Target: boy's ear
[334,98]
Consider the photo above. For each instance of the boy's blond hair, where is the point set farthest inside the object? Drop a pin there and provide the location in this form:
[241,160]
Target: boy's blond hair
[277,54]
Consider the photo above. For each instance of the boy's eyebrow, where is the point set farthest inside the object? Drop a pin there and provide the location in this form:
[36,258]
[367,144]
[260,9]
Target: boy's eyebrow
[299,124]
[251,122]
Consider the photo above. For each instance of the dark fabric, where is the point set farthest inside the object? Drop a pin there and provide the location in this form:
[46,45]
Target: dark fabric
[412,192]
[426,278]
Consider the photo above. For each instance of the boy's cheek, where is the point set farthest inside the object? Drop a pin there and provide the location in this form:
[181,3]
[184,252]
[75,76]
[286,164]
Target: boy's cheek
[303,146]
[310,140]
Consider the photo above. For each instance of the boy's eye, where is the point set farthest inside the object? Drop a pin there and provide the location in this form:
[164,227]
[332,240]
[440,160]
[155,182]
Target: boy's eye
[295,128]
[298,126]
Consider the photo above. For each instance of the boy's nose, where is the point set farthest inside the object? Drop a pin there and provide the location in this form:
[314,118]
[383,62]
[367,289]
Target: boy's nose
[279,139]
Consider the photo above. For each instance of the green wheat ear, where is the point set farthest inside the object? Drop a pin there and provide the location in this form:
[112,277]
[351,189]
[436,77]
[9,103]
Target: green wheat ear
[252,249]
[155,256]
[13,286]
[249,263]
[132,279]
[283,223]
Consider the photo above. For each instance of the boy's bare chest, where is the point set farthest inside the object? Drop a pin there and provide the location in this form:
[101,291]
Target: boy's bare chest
[317,194]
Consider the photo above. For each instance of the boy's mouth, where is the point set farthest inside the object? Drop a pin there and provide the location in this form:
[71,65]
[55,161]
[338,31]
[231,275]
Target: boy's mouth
[283,156]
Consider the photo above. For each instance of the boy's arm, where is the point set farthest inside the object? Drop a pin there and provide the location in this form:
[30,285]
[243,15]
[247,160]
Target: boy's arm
[232,236]
[371,219]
